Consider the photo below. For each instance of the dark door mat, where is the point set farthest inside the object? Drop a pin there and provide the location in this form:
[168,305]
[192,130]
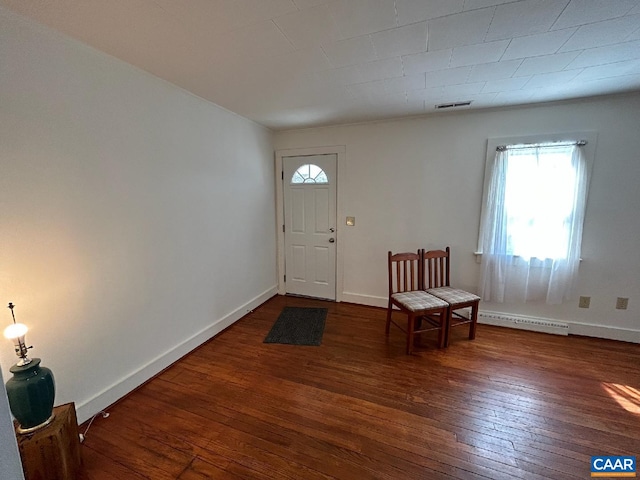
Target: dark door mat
[298,326]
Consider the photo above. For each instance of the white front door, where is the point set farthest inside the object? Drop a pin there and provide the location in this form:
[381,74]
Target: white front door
[310,225]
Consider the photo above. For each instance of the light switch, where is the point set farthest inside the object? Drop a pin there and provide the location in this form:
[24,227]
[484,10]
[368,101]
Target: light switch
[351,221]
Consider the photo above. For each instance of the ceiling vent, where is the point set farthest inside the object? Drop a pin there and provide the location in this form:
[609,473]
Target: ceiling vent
[453,105]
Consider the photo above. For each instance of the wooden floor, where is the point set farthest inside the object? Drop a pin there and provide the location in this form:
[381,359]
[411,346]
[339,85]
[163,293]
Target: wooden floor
[510,404]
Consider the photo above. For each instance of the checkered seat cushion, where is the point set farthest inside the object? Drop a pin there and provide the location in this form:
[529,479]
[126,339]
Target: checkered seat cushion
[453,296]
[418,300]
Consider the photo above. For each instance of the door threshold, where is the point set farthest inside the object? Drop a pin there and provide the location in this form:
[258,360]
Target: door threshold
[297,295]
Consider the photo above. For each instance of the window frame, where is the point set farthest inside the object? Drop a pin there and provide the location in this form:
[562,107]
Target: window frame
[492,143]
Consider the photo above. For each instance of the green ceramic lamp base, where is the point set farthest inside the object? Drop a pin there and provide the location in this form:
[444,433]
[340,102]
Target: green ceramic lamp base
[31,393]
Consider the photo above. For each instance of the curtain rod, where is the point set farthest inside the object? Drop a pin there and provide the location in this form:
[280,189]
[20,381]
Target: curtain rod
[501,148]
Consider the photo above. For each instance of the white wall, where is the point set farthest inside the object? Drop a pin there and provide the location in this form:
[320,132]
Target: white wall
[137,220]
[418,183]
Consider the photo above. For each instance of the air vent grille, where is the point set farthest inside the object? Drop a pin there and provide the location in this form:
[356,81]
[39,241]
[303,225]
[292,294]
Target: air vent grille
[453,105]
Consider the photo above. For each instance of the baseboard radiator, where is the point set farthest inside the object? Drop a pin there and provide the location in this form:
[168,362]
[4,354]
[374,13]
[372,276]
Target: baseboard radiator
[522,322]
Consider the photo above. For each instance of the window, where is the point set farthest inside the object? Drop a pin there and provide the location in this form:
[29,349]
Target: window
[531,227]
[309,173]
[540,188]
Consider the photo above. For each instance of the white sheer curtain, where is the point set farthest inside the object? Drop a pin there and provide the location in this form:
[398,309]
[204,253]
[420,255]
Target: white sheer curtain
[532,223]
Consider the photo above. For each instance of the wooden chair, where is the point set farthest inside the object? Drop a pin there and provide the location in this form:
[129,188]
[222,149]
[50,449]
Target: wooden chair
[436,281]
[424,311]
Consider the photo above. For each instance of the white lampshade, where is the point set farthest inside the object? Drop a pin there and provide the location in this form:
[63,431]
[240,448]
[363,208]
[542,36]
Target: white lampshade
[15,330]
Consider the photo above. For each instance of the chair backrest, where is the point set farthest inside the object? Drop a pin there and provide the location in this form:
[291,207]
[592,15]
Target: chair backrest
[435,267]
[404,272]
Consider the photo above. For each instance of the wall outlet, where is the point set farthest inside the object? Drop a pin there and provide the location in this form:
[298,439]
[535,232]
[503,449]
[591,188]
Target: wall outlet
[584,302]
[621,303]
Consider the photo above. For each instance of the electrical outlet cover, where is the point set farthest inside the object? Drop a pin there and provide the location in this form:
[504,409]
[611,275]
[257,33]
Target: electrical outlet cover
[622,303]
[584,302]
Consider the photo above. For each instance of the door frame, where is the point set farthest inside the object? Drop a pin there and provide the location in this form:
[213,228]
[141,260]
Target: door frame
[340,151]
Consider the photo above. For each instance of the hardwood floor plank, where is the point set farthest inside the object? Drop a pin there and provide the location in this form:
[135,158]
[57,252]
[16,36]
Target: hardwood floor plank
[152,458]
[97,466]
[202,470]
[510,404]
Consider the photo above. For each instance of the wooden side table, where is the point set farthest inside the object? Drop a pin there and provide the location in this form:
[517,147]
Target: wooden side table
[53,452]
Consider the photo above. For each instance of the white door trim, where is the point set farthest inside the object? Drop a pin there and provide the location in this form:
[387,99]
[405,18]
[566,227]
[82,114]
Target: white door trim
[341,152]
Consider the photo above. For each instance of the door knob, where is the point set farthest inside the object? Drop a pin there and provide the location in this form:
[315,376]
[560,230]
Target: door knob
[332,229]
[332,240]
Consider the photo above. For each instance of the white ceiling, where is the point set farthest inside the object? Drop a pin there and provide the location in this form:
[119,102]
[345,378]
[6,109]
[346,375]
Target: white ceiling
[298,63]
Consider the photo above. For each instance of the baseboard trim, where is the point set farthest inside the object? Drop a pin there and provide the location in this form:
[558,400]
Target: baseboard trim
[602,331]
[523,322]
[369,300]
[557,327]
[85,410]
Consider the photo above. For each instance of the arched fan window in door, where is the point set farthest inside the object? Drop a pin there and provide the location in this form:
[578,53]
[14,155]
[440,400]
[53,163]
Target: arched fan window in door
[309,173]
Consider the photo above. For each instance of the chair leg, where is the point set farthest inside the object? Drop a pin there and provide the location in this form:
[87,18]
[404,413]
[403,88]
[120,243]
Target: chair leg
[442,334]
[474,321]
[410,329]
[447,327]
[389,308]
